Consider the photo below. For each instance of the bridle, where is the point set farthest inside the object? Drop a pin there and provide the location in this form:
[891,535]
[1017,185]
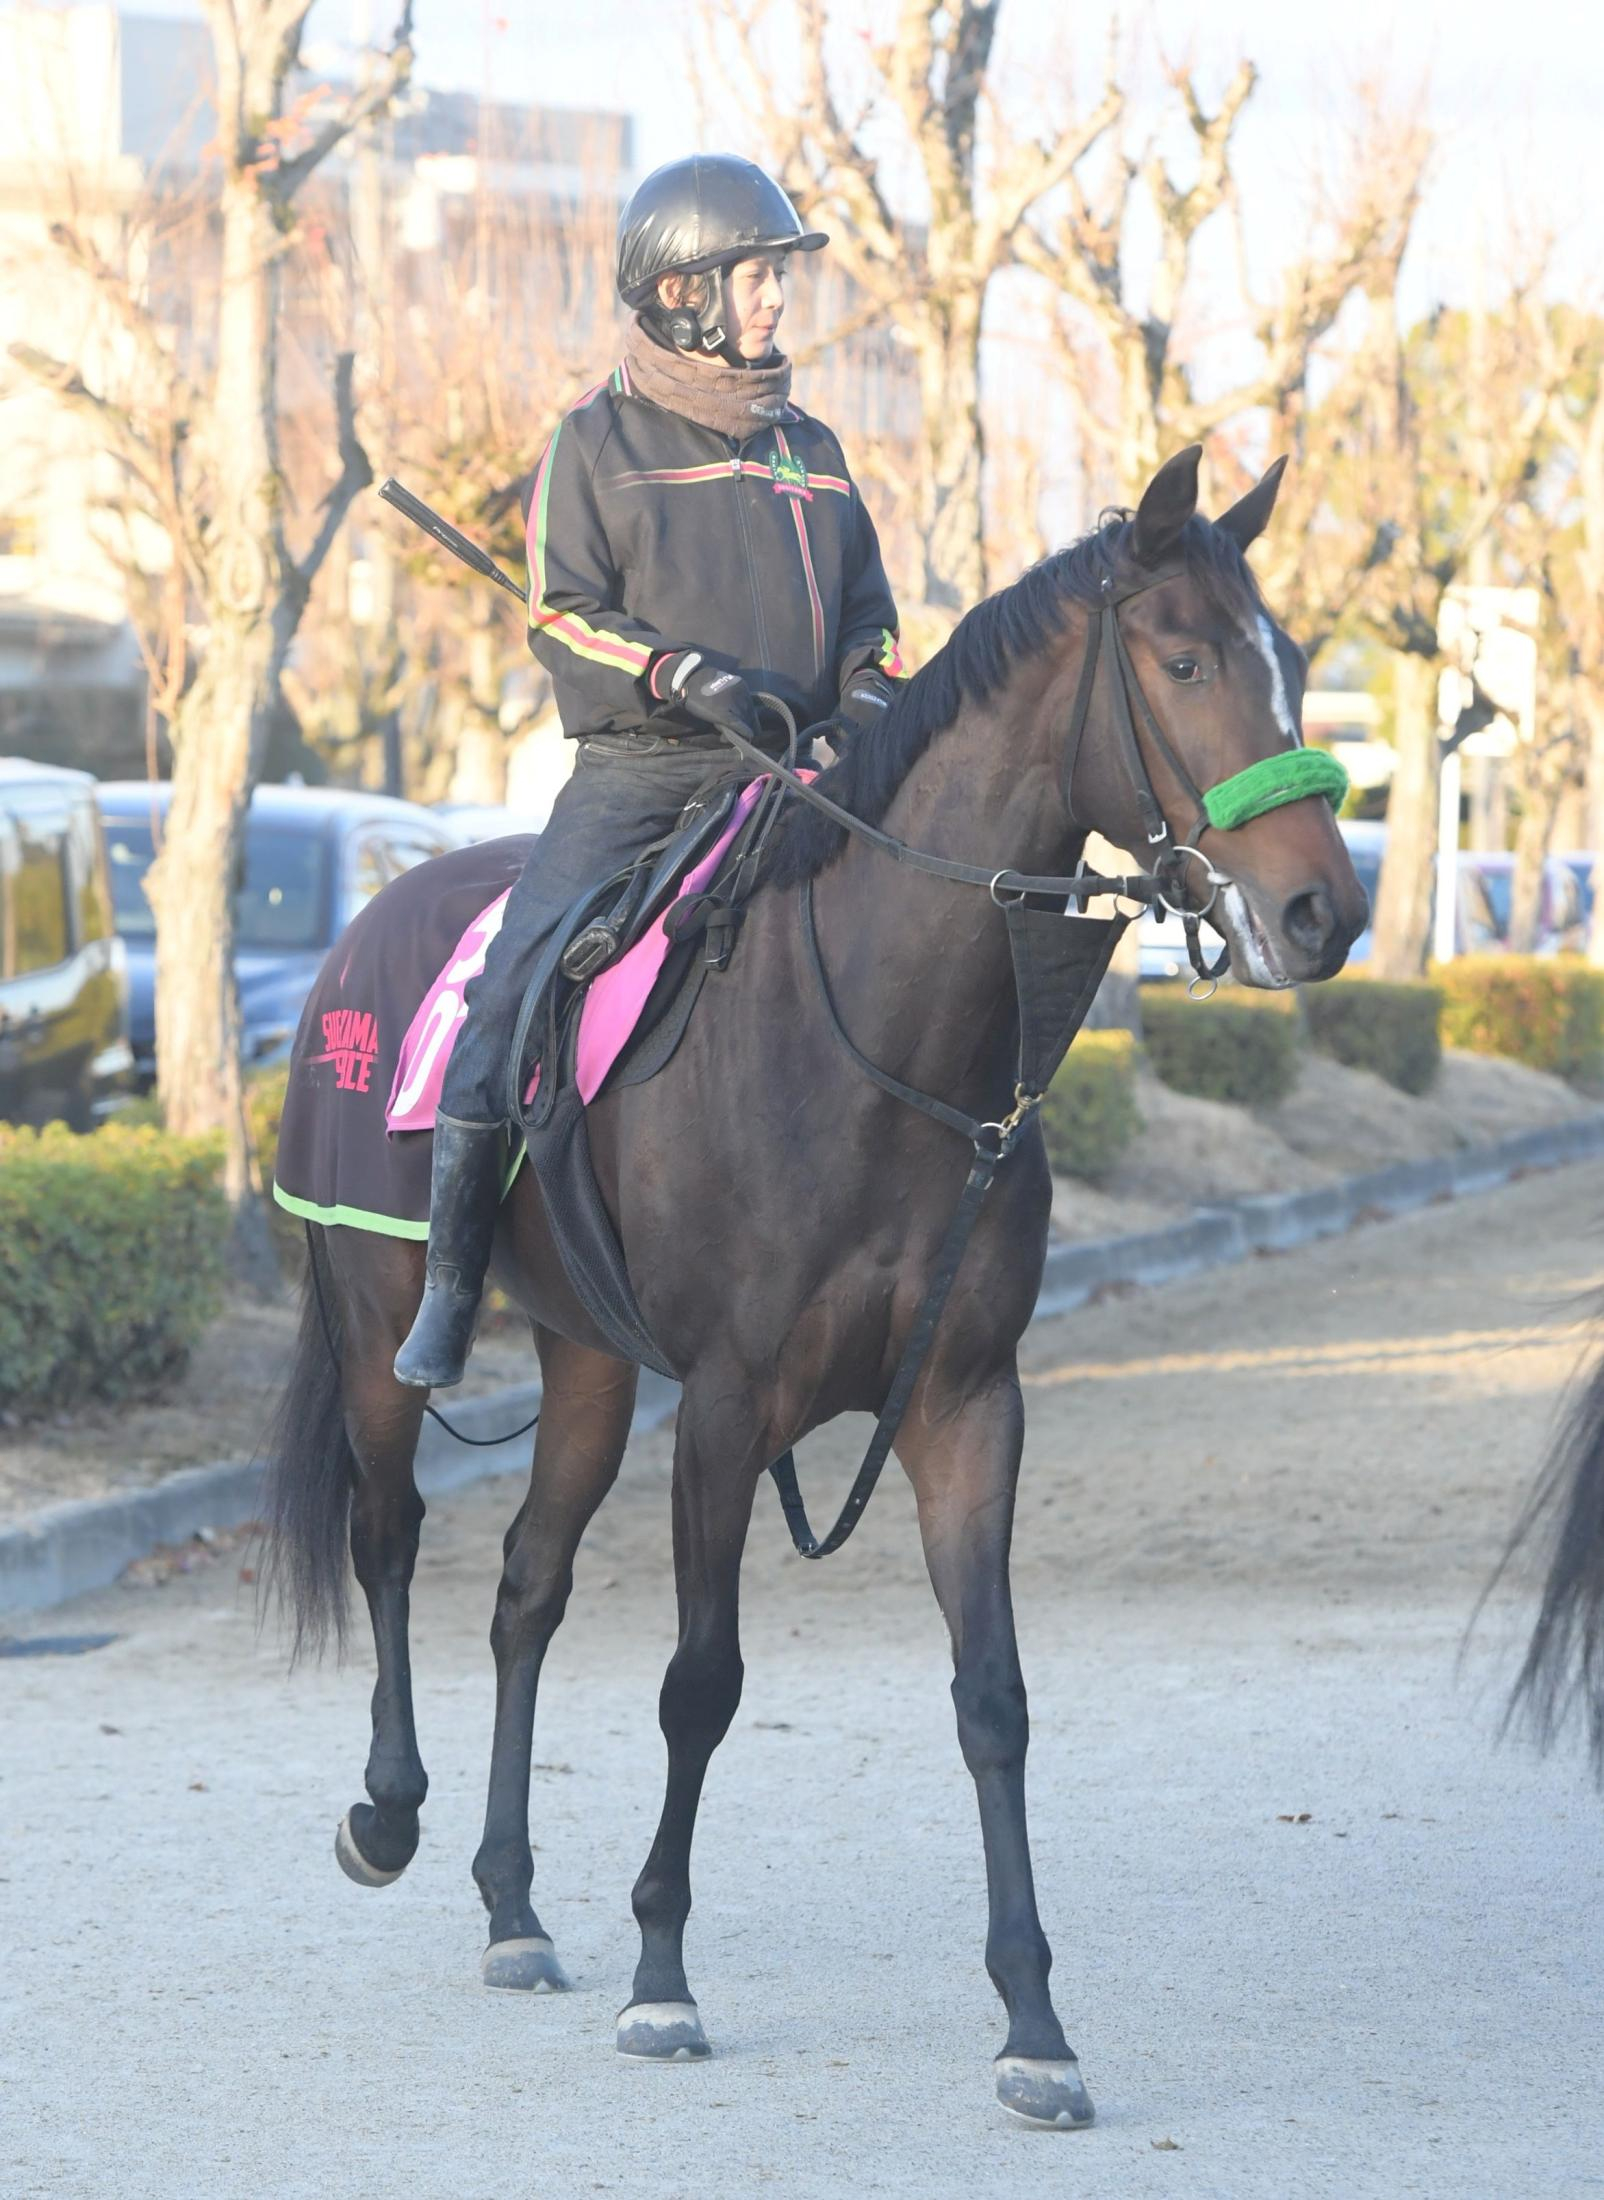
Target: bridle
[1058,960]
[1259,787]
[1057,966]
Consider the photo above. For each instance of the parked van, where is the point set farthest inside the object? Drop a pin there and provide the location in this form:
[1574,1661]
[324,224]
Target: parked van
[64,1051]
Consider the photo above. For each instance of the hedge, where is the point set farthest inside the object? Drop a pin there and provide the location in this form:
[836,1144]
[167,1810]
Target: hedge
[1547,1012]
[1392,1030]
[1232,1047]
[111,1259]
[1089,1116]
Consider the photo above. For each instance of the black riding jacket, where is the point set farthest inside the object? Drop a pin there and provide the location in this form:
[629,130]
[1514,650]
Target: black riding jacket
[648,533]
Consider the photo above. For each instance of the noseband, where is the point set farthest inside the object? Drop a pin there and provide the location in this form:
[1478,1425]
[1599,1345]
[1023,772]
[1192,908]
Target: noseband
[1246,794]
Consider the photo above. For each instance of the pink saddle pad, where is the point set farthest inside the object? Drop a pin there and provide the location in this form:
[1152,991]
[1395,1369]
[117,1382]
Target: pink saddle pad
[611,1011]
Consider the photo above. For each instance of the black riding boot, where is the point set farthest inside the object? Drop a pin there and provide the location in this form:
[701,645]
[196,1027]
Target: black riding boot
[464,1197]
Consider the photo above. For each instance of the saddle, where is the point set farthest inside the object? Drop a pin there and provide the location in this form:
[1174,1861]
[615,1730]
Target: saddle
[544,1098]
[635,898]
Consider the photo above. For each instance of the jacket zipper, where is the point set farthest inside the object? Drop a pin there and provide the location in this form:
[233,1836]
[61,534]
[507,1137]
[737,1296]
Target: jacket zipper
[738,484]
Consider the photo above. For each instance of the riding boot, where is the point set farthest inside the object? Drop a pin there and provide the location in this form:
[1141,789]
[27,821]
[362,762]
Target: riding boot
[464,1198]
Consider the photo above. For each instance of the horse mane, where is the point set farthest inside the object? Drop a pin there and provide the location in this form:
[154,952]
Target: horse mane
[976,661]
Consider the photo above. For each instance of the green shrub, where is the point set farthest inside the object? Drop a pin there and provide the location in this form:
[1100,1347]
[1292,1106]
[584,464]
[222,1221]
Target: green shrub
[1237,1046]
[1089,1116]
[111,1258]
[1391,1030]
[1547,1012]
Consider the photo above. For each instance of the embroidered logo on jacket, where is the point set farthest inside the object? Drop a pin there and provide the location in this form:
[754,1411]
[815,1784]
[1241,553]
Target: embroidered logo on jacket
[790,477]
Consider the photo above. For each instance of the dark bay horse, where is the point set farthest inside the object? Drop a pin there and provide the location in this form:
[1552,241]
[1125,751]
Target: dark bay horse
[780,1215]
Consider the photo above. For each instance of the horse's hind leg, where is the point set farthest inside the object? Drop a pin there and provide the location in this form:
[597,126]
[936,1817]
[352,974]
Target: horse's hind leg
[587,1403]
[964,1466]
[716,1469]
[378,1839]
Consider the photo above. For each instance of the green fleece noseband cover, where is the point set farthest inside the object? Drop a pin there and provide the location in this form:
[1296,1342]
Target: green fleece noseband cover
[1272,781]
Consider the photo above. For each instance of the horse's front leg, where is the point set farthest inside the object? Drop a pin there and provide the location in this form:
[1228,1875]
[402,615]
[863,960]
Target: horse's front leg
[717,1461]
[964,1466]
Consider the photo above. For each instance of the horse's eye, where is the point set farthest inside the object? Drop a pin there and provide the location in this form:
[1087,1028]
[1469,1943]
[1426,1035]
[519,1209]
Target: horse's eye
[1184,670]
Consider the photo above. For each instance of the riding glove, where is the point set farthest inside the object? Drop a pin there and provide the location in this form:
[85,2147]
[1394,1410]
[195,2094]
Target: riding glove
[866,697]
[691,682]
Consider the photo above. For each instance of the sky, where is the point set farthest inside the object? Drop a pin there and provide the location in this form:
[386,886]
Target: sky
[1516,94]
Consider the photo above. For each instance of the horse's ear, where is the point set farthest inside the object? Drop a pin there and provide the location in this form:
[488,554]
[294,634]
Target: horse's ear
[1250,515]
[1168,502]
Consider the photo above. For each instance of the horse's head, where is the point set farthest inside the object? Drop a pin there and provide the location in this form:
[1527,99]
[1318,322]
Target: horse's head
[1212,692]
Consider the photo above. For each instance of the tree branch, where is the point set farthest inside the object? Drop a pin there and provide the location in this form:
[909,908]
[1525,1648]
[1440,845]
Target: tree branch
[282,182]
[356,473]
[184,400]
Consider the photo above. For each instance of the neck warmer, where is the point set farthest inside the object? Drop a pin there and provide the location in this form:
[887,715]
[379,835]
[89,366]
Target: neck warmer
[734,401]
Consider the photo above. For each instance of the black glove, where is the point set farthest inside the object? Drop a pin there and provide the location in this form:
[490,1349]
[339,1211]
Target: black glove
[866,697]
[688,681]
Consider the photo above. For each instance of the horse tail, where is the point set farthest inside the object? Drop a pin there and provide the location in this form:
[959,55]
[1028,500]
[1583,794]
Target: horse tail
[1563,1669]
[311,1470]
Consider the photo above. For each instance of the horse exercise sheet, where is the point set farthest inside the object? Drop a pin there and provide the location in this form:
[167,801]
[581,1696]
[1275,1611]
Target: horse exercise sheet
[369,1059]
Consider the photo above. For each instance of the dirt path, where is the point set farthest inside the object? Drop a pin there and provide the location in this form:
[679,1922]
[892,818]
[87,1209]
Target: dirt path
[1255,1514]
[1336,1122]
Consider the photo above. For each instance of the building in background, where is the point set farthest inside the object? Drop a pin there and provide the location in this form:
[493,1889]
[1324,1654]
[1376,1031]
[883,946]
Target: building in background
[107,113]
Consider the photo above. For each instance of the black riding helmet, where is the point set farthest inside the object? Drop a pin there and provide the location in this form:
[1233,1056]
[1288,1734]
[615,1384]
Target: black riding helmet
[699,217]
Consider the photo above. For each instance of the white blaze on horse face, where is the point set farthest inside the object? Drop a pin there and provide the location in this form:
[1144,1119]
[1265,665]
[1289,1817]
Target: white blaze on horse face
[1262,635]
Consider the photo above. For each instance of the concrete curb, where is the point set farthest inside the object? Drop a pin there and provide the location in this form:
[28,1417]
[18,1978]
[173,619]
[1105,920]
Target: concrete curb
[1280,1222]
[73,1548]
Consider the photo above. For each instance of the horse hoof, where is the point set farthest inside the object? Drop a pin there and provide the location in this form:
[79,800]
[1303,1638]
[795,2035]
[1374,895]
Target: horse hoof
[1049,2096]
[662,2031]
[523,1967]
[354,1864]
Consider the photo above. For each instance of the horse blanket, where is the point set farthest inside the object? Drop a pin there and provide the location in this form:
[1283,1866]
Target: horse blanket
[370,1056]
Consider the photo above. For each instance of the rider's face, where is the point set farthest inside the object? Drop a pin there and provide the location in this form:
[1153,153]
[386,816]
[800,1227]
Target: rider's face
[755,292]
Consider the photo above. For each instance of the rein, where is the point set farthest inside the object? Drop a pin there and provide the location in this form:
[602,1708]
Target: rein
[1041,959]
[1045,949]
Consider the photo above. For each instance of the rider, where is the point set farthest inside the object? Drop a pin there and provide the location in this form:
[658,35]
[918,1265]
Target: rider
[693,536]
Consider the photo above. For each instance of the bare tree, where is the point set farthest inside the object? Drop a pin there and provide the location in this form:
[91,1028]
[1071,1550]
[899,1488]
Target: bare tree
[1572,524]
[1127,354]
[498,313]
[209,445]
[921,251]
[1450,429]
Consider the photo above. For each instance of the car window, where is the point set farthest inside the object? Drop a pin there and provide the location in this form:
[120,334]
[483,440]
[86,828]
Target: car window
[280,899]
[129,849]
[8,899]
[409,847]
[91,902]
[280,903]
[382,853]
[38,925]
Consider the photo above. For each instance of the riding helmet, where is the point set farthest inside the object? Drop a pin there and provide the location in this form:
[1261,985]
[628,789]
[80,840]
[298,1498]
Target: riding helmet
[691,216]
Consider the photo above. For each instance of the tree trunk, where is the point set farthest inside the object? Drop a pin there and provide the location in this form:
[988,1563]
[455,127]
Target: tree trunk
[479,771]
[1404,898]
[951,526]
[219,731]
[1590,701]
[1533,833]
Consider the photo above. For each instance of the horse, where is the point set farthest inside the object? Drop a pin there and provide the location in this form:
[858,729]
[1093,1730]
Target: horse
[1562,1671]
[975,763]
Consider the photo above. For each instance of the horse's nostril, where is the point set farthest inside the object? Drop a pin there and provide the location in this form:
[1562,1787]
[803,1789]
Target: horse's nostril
[1309,920]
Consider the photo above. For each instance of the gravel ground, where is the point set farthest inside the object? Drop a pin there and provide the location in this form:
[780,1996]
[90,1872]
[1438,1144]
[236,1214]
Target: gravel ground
[1315,1937]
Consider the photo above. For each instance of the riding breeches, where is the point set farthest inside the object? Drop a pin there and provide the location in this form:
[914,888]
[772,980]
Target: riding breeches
[622,796]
